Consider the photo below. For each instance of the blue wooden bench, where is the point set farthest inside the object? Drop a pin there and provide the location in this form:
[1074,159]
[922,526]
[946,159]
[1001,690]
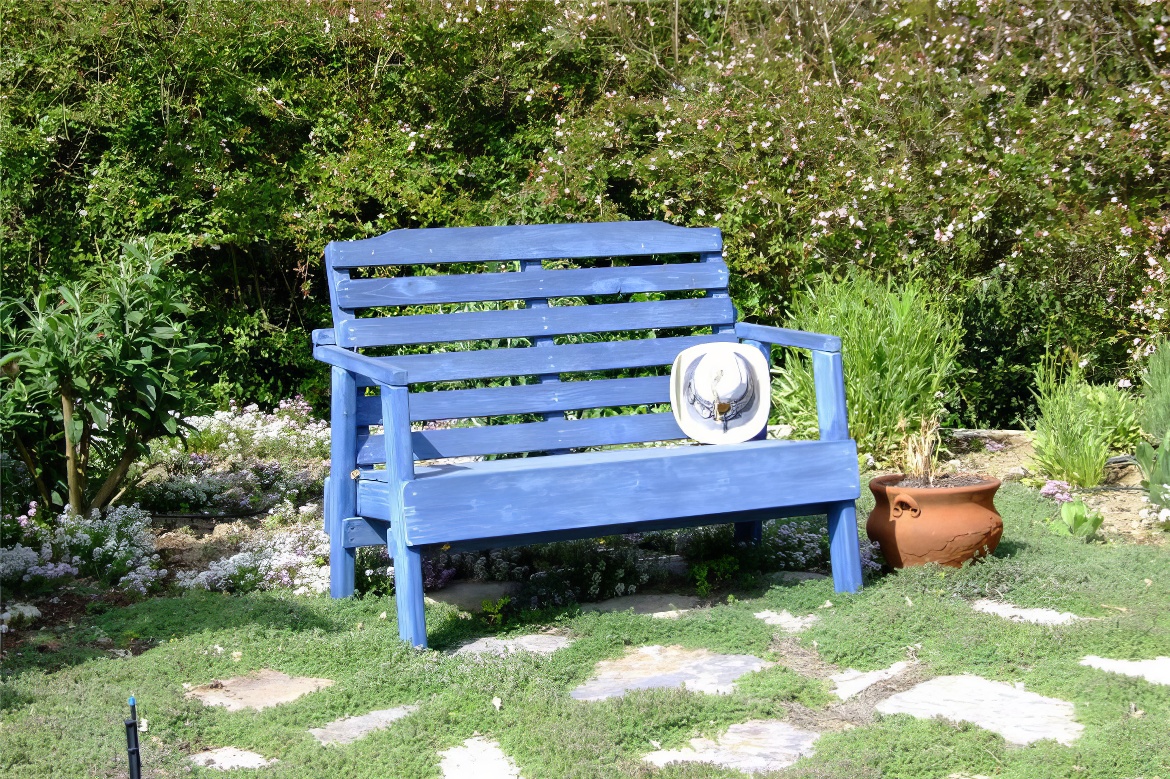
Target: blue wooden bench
[378,491]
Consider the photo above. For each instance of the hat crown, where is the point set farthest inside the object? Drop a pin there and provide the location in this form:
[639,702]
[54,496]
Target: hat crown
[721,377]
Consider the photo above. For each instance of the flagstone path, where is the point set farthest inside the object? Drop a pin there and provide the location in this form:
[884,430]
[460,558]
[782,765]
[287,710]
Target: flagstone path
[258,690]
[649,667]
[786,621]
[1017,614]
[1156,671]
[850,682]
[659,606]
[230,758]
[537,643]
[1021,717]
[478,758]
[756,745]
[349,729]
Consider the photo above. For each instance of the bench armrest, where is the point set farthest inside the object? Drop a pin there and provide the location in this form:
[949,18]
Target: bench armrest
[363,365]
[828,375]
[780,336]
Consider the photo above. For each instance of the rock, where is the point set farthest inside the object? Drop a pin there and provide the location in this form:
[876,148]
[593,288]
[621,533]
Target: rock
[1017,614]
[851,682]
[469,596]
[650,667]
[786,622]
[537,643]
[1019,716]
[258,690]
[1015,474]
[656,605]
[230,758]
[780,431]
[19,615]
[349,729]
[480,758]
[1156,671]
[756,745]
[794,577]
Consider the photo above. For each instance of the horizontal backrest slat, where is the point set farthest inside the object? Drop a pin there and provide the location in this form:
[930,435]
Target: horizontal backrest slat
[529,437]
[522,242]
[523,323]
[533,361]
[474,287]
[524,399]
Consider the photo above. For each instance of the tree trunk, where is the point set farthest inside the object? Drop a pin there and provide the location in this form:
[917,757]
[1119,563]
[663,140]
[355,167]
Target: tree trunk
[110,486]
[72,467]
[31,464]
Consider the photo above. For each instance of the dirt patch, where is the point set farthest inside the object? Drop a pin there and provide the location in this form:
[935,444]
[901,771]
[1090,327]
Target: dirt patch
[259,690]
[942,481]
[188,548]
[1008,455]
[853,712]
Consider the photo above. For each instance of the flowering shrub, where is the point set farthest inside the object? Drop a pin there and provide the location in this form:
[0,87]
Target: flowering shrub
[115,548]
[239,461]
[294,557]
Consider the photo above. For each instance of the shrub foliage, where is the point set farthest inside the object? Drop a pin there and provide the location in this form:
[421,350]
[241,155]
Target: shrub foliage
[1011,154]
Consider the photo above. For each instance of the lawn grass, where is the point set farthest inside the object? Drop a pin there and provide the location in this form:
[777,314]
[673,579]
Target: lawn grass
[62,709]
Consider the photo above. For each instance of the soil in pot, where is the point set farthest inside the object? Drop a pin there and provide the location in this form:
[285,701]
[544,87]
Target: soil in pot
[948,523]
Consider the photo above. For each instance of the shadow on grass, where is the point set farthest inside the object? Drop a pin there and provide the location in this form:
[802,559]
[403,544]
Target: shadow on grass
[140,626]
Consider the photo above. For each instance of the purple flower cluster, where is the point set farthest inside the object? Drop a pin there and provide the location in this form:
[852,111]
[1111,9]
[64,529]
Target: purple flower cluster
[1059,491]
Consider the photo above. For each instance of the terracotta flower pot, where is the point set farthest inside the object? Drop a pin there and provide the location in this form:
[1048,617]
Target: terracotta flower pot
[945,525]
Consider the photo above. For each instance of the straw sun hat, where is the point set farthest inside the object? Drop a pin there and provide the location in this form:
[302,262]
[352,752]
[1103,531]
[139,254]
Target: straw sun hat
[720,393]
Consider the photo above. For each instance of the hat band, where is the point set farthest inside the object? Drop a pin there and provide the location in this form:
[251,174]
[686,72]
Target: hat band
[709,409]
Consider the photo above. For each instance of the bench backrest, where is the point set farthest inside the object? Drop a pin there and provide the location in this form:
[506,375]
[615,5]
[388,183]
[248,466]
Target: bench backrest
[529,294]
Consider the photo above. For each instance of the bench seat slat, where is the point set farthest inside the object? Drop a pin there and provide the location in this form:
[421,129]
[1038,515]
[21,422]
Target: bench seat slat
[524,399]
[473,287]
[529,437]
[592,489]
[531,361]
[523,242]
[526,322]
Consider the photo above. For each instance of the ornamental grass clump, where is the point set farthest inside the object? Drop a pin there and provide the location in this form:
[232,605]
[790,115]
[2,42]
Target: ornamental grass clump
[899,344]
[1069,444]
[1156,393]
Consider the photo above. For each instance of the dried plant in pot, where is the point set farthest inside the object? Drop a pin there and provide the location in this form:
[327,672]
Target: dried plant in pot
[922,516]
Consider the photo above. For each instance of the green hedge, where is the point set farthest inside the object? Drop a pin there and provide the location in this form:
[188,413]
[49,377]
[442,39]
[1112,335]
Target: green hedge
[1014,156]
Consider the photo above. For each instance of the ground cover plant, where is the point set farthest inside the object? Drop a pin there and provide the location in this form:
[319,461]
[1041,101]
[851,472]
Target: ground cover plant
[65,679]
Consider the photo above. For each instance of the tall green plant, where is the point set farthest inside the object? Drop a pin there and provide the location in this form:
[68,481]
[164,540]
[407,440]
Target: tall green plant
[899,343]
[1070,442]
[1156,393]
[98,371]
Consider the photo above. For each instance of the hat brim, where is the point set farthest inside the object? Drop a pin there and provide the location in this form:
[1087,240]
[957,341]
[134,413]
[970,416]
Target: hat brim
[748,424]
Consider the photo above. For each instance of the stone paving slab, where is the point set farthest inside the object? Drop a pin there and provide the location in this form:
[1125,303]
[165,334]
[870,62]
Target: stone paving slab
[851,682]
[230,758]
[658,606]
[786,621]
[1156,671]
[349,729]
[756,745]
[1021,717]
[650,667]
[1017,614]
[478,758]
[537,643]
[258,690]
[469,596]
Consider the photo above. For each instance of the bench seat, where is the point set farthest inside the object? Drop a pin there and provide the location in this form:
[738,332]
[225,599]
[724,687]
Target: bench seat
[588,490]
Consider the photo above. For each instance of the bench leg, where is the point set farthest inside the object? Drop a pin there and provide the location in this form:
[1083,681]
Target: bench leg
[408,593]
[341,560]
[844,550]
[749,532]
